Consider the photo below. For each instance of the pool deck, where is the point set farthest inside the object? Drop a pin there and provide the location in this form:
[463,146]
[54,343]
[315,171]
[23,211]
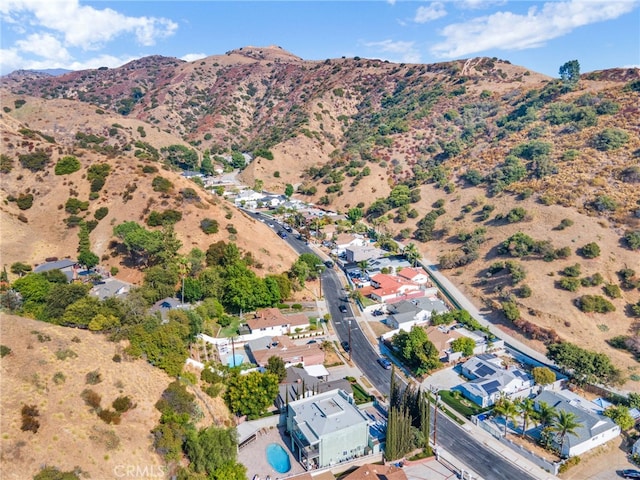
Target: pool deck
[254,455]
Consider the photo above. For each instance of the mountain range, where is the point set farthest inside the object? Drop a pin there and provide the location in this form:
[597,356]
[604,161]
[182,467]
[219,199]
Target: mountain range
[500,175]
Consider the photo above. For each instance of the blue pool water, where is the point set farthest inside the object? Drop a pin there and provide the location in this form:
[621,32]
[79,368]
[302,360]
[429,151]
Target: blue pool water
[235,360]
[278,458]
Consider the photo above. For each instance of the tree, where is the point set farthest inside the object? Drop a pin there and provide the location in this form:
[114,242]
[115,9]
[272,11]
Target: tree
[212,449]
[511,310]
[19,268]
[288,190]
[354,215]
[251,394]
[416,350]
[590,250]
[526,408]
[276,366]
[464,345]
[544,414]
[411,253]
[621,416]
[565,423]
[506,409]
[88,259]
[543,375]
[570,73]
[143,245]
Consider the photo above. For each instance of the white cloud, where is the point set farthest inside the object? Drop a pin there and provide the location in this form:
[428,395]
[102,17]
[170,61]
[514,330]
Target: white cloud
[400,51]
[477,4]
[510,31]
[84,26]
[43,45]
[432,12]
[191,57]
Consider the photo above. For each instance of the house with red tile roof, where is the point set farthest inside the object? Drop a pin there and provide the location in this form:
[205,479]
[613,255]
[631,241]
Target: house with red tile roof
[393,287]
[416,275]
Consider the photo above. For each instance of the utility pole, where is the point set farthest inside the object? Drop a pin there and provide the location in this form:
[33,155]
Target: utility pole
[435,419]
[350,348]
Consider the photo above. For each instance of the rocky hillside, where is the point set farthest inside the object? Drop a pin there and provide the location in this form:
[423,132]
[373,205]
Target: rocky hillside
[526,188]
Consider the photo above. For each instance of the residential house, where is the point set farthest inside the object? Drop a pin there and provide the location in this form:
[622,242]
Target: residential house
[164,306]
[594,431]
[263,348]
[480,339]
[441,337]
[489,380]
[377,472]
[248,199]
[390,288]
[415,275]
[271,321]
[357,254]
[110,287]
[327,429]
[67,266]
[404,314]
[300,384]
[192,174]
[343,241]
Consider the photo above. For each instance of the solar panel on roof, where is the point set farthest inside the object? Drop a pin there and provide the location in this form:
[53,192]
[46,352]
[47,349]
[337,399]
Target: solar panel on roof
[484,371]
[492,387]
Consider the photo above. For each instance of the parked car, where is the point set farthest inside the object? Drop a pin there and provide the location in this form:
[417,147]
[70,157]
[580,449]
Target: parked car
[345,346]
[343,308]
[282,234]
[384,363]
[631,473]
[377,313]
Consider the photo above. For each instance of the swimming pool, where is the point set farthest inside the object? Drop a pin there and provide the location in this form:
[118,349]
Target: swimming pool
[278,458]
[235,360]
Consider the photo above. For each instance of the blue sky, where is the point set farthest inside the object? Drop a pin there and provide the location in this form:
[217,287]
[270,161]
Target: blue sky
[541,36]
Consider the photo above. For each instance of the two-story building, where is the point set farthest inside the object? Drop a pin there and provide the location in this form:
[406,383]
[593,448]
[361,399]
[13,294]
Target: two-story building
[327,429]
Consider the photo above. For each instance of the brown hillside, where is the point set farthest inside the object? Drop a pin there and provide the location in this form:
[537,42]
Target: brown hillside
[40,232]
[347,131]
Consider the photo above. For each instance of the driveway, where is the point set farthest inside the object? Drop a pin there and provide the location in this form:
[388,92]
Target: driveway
[444,379]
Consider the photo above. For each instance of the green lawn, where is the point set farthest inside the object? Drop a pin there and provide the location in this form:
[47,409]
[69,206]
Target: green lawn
[461,405]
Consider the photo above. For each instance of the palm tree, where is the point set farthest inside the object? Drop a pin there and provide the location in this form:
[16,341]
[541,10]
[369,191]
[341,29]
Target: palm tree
[565,423]
[507,409]
[411,253]
[526,408]
[545,414]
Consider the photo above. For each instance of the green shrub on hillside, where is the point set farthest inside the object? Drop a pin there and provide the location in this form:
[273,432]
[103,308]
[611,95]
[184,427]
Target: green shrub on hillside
[35,161]
[161,184]
[67,165]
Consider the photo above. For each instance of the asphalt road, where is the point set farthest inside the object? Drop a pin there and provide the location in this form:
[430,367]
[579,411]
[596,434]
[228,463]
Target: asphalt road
[450,436]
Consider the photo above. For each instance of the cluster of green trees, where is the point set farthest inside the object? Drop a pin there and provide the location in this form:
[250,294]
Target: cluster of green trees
[584,366]
[409,421]
[416,350]
[211,452]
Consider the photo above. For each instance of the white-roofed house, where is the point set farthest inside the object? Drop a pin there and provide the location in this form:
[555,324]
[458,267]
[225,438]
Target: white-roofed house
[489,380]
[594,429]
